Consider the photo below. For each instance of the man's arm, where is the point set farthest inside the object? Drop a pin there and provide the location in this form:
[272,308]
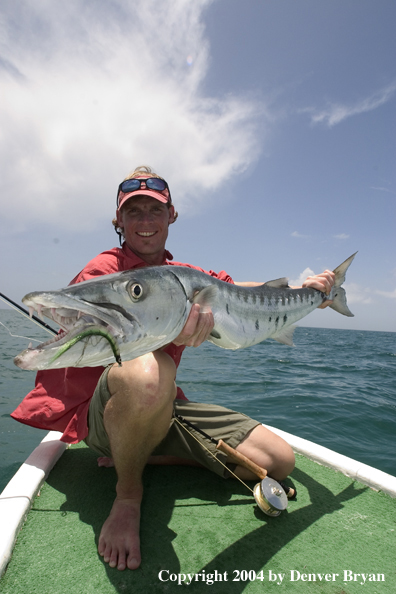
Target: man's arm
[248,284]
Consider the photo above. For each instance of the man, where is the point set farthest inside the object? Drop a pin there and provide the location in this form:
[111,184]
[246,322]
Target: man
[125,413]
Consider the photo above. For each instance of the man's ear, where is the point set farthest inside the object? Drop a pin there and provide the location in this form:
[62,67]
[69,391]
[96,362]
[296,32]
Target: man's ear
[119,219]
[172,217]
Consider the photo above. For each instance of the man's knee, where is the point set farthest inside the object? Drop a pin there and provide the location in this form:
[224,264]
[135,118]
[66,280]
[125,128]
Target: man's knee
[269,451]
[147,379]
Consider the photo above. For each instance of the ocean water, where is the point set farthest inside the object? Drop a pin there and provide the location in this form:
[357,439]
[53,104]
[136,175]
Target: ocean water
[335,387]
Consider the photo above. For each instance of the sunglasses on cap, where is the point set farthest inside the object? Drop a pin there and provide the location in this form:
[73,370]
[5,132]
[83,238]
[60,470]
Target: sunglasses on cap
[152,183]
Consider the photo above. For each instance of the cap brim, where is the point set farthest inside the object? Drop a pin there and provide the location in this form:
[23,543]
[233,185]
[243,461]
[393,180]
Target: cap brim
[157,195]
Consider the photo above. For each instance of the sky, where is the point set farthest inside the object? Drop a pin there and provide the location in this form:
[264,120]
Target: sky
[274,125]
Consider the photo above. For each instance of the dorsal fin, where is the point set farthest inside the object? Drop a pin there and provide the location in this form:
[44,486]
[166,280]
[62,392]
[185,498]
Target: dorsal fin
[278,283]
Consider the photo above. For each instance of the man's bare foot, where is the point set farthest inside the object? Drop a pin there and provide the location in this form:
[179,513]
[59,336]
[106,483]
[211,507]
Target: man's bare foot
[106,462]
[119,542]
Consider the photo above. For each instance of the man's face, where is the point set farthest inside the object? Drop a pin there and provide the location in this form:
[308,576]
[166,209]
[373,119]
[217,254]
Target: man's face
[145,222]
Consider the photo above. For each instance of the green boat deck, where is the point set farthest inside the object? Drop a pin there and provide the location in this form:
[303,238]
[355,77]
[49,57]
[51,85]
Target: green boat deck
[337,538]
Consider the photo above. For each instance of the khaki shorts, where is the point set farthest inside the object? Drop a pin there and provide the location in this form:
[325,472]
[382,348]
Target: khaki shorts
[216,421]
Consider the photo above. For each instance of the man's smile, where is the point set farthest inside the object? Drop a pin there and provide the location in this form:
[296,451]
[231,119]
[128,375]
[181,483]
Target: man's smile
[146,233]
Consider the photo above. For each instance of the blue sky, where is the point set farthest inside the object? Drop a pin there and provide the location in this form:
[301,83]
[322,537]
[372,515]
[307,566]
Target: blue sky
[274,125]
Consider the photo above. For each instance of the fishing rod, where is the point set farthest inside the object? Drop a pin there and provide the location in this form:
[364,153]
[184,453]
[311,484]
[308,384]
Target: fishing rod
[24,312]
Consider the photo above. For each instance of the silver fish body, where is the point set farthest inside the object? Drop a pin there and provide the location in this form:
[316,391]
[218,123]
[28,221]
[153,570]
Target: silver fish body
[144,309]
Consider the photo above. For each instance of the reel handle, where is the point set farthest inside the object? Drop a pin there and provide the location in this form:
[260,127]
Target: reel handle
[240,459]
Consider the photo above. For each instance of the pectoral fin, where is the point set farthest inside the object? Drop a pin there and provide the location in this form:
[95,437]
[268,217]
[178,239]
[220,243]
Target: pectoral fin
[206,298]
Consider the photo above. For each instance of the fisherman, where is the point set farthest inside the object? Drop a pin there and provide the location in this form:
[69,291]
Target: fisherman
[126,414]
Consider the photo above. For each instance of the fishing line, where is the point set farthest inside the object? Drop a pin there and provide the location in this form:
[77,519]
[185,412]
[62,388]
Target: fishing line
[211,453]
[17,335]
[25,313]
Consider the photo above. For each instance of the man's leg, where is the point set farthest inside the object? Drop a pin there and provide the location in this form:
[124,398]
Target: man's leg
[269,451]
[246,435]
[136,419]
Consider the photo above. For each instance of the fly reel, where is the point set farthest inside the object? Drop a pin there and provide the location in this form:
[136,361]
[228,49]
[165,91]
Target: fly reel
[270,497]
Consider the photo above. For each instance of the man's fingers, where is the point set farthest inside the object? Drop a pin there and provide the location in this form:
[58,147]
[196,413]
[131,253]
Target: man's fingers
[197,328]
[204,328]
[325,304]
[322,282]
[192,322]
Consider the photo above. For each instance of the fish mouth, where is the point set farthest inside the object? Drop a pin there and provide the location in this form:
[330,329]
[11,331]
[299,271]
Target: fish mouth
[84,325]
[76,323]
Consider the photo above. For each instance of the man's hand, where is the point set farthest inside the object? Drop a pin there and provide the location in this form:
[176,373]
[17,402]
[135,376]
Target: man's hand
[322,282]
[197,328]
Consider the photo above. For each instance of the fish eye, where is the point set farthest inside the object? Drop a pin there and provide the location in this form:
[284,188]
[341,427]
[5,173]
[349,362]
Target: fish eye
[136,291]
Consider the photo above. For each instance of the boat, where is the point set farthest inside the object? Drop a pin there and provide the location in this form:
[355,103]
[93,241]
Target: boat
[198,529]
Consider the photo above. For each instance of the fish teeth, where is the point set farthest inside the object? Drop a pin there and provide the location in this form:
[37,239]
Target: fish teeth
[61,334]
[65,322]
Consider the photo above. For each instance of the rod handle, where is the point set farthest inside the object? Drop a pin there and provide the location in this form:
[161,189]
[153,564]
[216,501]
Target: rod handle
[240,459]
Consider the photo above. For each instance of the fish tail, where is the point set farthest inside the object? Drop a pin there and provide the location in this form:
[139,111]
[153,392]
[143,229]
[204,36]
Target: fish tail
[339,301]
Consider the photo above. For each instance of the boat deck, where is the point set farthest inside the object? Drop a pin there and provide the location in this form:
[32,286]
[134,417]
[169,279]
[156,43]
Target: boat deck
[196,523]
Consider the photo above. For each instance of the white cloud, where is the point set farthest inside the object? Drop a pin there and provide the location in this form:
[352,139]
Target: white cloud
[303,276]
[357,294]
[337,112]
[382,189]
[108,86]
[299,235]
[389,294]
[341,236]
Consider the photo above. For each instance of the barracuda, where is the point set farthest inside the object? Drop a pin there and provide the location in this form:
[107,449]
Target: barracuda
[128,314]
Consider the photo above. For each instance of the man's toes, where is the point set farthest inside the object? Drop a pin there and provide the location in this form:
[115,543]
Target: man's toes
[105,551]
[120,563]
[133,562]
[105,462]
[101,547]
[115,558]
